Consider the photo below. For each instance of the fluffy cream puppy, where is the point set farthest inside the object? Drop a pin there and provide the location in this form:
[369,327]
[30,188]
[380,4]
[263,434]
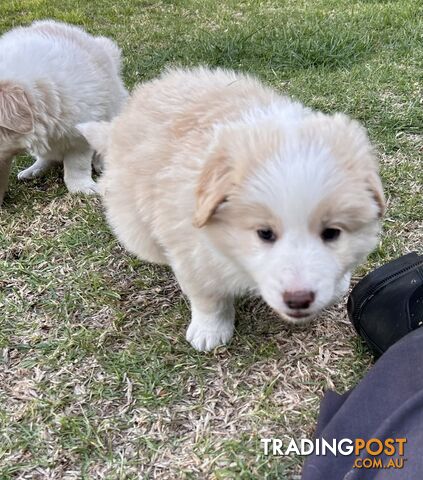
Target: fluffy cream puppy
[239,189]
[53,76]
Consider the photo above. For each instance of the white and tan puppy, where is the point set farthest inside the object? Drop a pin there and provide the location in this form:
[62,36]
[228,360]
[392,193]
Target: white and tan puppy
[239,189]
[53,76]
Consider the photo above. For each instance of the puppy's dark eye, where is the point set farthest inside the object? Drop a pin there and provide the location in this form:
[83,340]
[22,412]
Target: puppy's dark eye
[330,234]
[267,235]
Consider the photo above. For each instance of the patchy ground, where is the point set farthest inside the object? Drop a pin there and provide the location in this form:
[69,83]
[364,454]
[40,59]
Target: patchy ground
[96,379]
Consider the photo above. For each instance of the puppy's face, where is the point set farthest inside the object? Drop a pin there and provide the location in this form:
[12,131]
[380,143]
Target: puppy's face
[296,208]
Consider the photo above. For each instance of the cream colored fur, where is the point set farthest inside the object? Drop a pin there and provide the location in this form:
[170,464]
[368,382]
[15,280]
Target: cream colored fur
[53,76]
[199,161]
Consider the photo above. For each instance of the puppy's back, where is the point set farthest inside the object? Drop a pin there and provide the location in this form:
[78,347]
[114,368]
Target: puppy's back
[102,50]
[83,69]
[188,103]
[201,97]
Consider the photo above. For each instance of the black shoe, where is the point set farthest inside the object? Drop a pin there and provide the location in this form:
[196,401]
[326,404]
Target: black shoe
[388,303]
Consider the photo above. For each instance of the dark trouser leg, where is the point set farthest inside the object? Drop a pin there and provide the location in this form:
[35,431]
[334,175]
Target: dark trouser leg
[387,403]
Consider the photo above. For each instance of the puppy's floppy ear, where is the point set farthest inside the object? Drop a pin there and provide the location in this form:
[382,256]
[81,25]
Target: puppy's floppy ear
[214,184]
[375,187]
[350,142]
[96,134]
[15,111]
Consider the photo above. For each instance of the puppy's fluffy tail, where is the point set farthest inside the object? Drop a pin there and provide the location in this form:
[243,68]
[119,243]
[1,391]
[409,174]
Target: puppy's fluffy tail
[112,50]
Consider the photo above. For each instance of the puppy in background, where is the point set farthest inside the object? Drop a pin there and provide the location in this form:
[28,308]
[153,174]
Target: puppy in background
[239,189]
[53,76]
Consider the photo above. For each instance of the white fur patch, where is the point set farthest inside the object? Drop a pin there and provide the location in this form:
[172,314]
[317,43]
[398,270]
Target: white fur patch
[66,77]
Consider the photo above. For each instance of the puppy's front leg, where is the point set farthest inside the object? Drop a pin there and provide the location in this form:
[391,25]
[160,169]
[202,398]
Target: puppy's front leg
[77,168]
[5,165]
[212,322]
[38,168]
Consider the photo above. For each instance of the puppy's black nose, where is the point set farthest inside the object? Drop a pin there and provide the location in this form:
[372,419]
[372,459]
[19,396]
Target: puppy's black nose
[298,300]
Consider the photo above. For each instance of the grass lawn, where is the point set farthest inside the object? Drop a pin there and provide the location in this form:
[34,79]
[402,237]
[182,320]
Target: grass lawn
[96,379]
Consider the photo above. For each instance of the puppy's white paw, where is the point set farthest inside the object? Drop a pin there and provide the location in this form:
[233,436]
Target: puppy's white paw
[30,173]
[204,338]
[89,187]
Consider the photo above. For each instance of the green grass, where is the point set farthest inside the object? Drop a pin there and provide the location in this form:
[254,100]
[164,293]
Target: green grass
[96,379]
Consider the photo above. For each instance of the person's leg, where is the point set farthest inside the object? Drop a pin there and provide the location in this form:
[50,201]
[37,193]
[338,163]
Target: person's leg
[387,403]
